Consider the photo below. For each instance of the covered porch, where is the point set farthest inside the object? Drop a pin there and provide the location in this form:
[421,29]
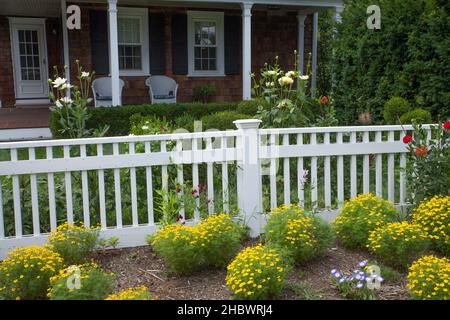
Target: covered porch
[246,35]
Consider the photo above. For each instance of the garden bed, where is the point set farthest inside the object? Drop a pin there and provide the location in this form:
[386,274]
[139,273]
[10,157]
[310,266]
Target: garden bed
[142,266]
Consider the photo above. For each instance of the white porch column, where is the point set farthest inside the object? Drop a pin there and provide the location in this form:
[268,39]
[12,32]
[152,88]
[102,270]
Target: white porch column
[314,54]
[114,52]
[65,35]
[246,50]
[301,42]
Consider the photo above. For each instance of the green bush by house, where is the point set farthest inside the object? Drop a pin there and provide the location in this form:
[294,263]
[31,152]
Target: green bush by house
[394,108]
[408,57]
[118,118]
[419,115]
[222,120]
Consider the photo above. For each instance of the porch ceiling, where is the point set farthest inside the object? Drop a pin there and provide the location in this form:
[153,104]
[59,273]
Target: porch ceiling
[51,8]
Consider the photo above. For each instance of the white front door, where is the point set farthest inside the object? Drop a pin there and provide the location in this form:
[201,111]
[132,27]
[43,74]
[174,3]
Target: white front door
[29,52]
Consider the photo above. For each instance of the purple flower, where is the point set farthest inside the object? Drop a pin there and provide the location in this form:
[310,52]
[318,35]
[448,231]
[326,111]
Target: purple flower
[359,285]
[341,280]
[362,263]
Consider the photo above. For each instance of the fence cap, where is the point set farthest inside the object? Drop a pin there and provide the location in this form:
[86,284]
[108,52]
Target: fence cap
[247,123]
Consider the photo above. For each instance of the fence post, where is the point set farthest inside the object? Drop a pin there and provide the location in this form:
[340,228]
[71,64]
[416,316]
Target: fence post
[249,183]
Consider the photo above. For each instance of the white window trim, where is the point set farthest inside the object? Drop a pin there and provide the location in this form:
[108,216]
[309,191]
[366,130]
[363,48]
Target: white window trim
[218,18]
[142,14]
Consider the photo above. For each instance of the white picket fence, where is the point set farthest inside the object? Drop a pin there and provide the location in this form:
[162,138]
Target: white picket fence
[262,159]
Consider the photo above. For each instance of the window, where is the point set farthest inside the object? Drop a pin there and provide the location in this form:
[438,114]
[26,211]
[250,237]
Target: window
[132,33]
[206,44]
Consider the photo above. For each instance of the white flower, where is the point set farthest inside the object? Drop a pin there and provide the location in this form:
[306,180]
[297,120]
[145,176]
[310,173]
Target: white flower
[66,86]
[144,127]
[58,104]
[304,77]
[285,81]
[85,74]
[59,82]
[272,73]
[270,84]
[65,100]
[290,74]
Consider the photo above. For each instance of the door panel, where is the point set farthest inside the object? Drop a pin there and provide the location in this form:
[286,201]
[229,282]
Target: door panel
[30,59]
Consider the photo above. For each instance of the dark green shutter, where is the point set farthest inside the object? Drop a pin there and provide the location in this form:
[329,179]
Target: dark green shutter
[179,44]
[233,42]
[99,41]
[157,44]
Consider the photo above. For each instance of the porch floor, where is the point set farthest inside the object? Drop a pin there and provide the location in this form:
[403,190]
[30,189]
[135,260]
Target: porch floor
[24,117]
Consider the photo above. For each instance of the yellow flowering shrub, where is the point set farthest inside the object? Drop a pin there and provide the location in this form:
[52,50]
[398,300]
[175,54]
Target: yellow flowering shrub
[434,217]
[189,248]
[74,243]
[429,278]
[257,272]
[398,243]
[304,236]
[360,216]
[26,272]
[81,282]
[137,293]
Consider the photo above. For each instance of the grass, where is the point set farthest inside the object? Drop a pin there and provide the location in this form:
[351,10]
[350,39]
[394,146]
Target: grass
[305,291]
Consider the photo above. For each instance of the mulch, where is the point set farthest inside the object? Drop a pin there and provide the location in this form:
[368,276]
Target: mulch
[141,266]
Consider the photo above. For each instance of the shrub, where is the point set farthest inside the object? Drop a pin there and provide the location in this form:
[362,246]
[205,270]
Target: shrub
[202,93]
[74,243]
[186,249]
[429,278]
[185,121]
[401,60]
[223,239]
[148,125]
[434,217]
[258,273]
[419,115]
[250,107]
[303,236]
[427,168]
[118,118]
[360,216]
[398,243]
[81,282]
[394,108]
[26,272]
[137,293]
[222,120]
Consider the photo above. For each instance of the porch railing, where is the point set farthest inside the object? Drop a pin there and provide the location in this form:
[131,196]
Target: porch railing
[113,182]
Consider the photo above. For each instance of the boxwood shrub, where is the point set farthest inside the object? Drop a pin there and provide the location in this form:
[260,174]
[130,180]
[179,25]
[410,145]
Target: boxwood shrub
[118,118]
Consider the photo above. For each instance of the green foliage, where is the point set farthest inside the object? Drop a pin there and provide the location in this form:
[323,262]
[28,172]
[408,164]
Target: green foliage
[417,115]
[222,120]
[408,57]
[74,243]
[187,249]
[258,273]
[111,242]
[185,121]
[428,165]
[148,125]
[118,118]
[250,107]
[204,92]
[81,282]
[26,272]
[303,236]
[360,216]
[399,243]
[394,108]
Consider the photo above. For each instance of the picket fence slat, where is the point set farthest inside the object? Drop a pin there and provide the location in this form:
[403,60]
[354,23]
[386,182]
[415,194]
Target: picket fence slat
[34,196]
[51,192]
[314,181]
[117,189]
[210,178]
[353,169]
[134,205]
[366,166]
[68,184]
[391,170]
[287,174]
[378,168]
[149,187]
[301,176]
[273,174]
[85,190]
[225,195]
[327,174]
[101,190]
[340,173]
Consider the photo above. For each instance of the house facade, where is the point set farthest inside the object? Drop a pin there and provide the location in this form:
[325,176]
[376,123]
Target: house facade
[195,42]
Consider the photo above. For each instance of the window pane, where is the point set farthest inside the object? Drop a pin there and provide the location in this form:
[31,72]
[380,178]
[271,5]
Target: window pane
[198,64]
[212,64]
[130,57]
[129,30]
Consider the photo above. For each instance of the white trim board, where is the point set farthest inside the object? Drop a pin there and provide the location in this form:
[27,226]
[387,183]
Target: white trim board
[25,134]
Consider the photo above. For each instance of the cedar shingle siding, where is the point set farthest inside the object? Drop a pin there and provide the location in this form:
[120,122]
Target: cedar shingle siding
[271,36]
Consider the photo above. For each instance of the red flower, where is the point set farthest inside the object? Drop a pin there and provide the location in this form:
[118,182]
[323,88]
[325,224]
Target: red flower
[407,139]
[180,217]
[178,190]
[421,151]
[324,100]
[194,191]
[447,125]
